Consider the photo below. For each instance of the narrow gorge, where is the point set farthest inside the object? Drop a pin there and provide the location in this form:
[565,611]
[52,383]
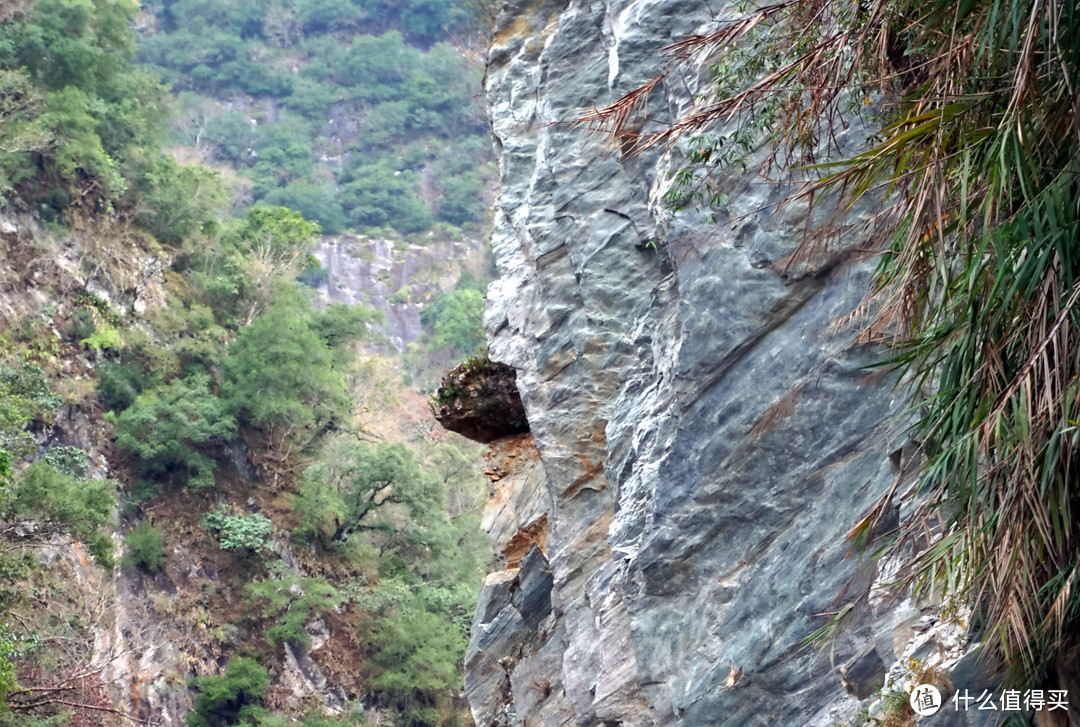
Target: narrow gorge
[763,320]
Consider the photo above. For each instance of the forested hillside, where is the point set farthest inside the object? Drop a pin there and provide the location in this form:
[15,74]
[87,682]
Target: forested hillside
[357,113]
[219,504]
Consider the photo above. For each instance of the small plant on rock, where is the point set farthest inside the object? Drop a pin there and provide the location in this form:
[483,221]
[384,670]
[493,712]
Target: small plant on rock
[248,534]
[143,548]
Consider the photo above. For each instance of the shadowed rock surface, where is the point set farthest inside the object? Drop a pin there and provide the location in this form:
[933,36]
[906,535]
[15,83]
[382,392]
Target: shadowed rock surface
[479,400]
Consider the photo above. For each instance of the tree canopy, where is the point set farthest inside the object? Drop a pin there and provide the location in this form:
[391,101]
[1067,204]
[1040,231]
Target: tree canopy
[345,493]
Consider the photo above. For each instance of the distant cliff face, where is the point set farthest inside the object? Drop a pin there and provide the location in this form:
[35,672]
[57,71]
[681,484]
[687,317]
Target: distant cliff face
[705,432]
[396,279]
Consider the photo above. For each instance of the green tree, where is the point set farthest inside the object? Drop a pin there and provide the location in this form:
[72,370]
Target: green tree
[71,43]
[353,486]
[424,20]
[461,201]
[315,202]
[21,128]
[281,375]
[378,195]
[375,66]
[174,202]
[230,699]
[456,319]
[63,503]
[168,430]
[311,98]
[86,110]
[285,152]
[57,501]
[291,601]
[417,665]
[77,146]
[263,254]
[275,237]
[25,397]
[386,124]
[242,18]
[341,325]
[231,136]
[143,548]
[325,16]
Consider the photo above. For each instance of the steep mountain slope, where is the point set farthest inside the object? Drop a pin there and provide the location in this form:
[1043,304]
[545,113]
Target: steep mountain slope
[220,501]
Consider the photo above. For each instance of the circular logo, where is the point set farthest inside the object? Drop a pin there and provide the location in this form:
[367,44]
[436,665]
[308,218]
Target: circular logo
[925,700]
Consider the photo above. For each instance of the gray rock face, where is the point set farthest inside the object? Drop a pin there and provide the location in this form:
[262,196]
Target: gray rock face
[707,431]
[395,278]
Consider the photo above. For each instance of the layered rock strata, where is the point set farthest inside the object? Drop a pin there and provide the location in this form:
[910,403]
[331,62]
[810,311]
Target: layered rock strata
[706,430]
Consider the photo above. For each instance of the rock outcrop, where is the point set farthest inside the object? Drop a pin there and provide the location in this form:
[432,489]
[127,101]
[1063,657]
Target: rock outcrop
[479,399]
[705,427]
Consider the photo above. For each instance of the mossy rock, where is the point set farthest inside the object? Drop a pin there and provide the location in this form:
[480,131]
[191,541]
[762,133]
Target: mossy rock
[479,400]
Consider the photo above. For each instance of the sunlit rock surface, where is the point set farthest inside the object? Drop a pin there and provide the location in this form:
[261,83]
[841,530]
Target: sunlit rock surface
[707,432]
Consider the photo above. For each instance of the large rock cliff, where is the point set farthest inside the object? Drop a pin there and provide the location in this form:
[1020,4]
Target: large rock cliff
[704,431]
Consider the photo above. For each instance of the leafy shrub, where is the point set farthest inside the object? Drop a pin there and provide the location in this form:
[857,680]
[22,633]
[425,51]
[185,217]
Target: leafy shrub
[165,429]
[250,533]
[293,601]
[232,698]
[25,396]
[70,461]
[104,338]
[79,325]
[140,492]
[64,503]
[118,385]
[143,548]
